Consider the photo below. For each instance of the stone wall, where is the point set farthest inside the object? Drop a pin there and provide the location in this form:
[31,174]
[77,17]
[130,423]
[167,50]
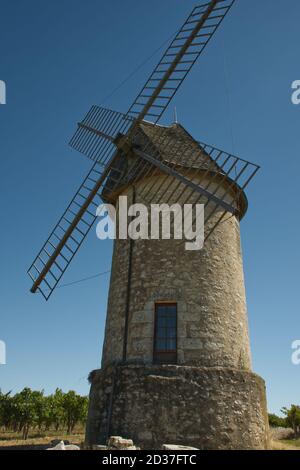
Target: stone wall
[208,408]
[208,286]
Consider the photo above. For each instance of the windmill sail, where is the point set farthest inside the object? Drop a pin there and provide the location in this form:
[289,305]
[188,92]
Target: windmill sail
[97,131]
[219,199]
[67,236]
[178,60]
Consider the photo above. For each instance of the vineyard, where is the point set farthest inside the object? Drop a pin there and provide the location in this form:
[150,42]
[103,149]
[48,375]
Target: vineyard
[31,410]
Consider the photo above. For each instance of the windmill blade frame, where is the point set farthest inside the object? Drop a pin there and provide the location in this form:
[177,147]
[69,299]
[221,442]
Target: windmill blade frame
[236,172]
[189,181]
[194,186]
[67,236]
[183,51]
[96,133]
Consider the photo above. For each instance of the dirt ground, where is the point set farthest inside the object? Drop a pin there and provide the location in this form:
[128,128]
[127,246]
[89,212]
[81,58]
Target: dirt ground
[13,441]
[286,445]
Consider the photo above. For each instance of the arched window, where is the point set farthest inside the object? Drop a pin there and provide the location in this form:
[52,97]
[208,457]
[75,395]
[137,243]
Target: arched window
[165,333]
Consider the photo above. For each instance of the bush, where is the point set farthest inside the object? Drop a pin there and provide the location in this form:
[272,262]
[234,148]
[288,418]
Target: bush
[277,422]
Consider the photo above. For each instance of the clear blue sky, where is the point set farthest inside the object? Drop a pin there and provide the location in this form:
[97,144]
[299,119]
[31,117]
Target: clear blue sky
[59,57]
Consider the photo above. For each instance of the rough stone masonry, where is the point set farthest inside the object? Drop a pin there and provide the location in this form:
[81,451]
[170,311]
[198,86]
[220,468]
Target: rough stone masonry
[209,398]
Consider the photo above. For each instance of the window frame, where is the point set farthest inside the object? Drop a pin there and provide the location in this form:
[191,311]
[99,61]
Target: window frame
[164,356]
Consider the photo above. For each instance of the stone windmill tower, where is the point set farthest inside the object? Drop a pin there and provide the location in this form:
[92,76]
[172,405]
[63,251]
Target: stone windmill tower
[176,363]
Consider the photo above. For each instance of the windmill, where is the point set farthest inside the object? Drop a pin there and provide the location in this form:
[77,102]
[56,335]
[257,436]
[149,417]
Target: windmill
[176,348]
[107,137]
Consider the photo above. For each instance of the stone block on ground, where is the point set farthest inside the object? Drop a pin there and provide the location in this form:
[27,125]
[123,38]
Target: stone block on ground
[61,446]
[176,447]
[118,442]
[54,442]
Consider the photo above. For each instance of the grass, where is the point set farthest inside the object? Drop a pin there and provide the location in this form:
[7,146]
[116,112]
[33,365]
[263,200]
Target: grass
[286,444]
[35,439]
[293,442]
[13,439]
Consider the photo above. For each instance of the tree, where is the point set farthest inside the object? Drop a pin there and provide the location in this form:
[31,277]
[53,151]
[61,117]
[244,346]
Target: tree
[277,422]
[26,410]
[6,411]
[54,414]
[75,409]
[293,417]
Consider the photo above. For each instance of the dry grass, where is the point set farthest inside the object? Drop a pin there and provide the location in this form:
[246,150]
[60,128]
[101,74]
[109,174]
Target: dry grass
[286,445]
[13,439]
[35,440]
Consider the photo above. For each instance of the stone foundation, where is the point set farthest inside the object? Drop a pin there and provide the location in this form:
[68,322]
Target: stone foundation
[208,408]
